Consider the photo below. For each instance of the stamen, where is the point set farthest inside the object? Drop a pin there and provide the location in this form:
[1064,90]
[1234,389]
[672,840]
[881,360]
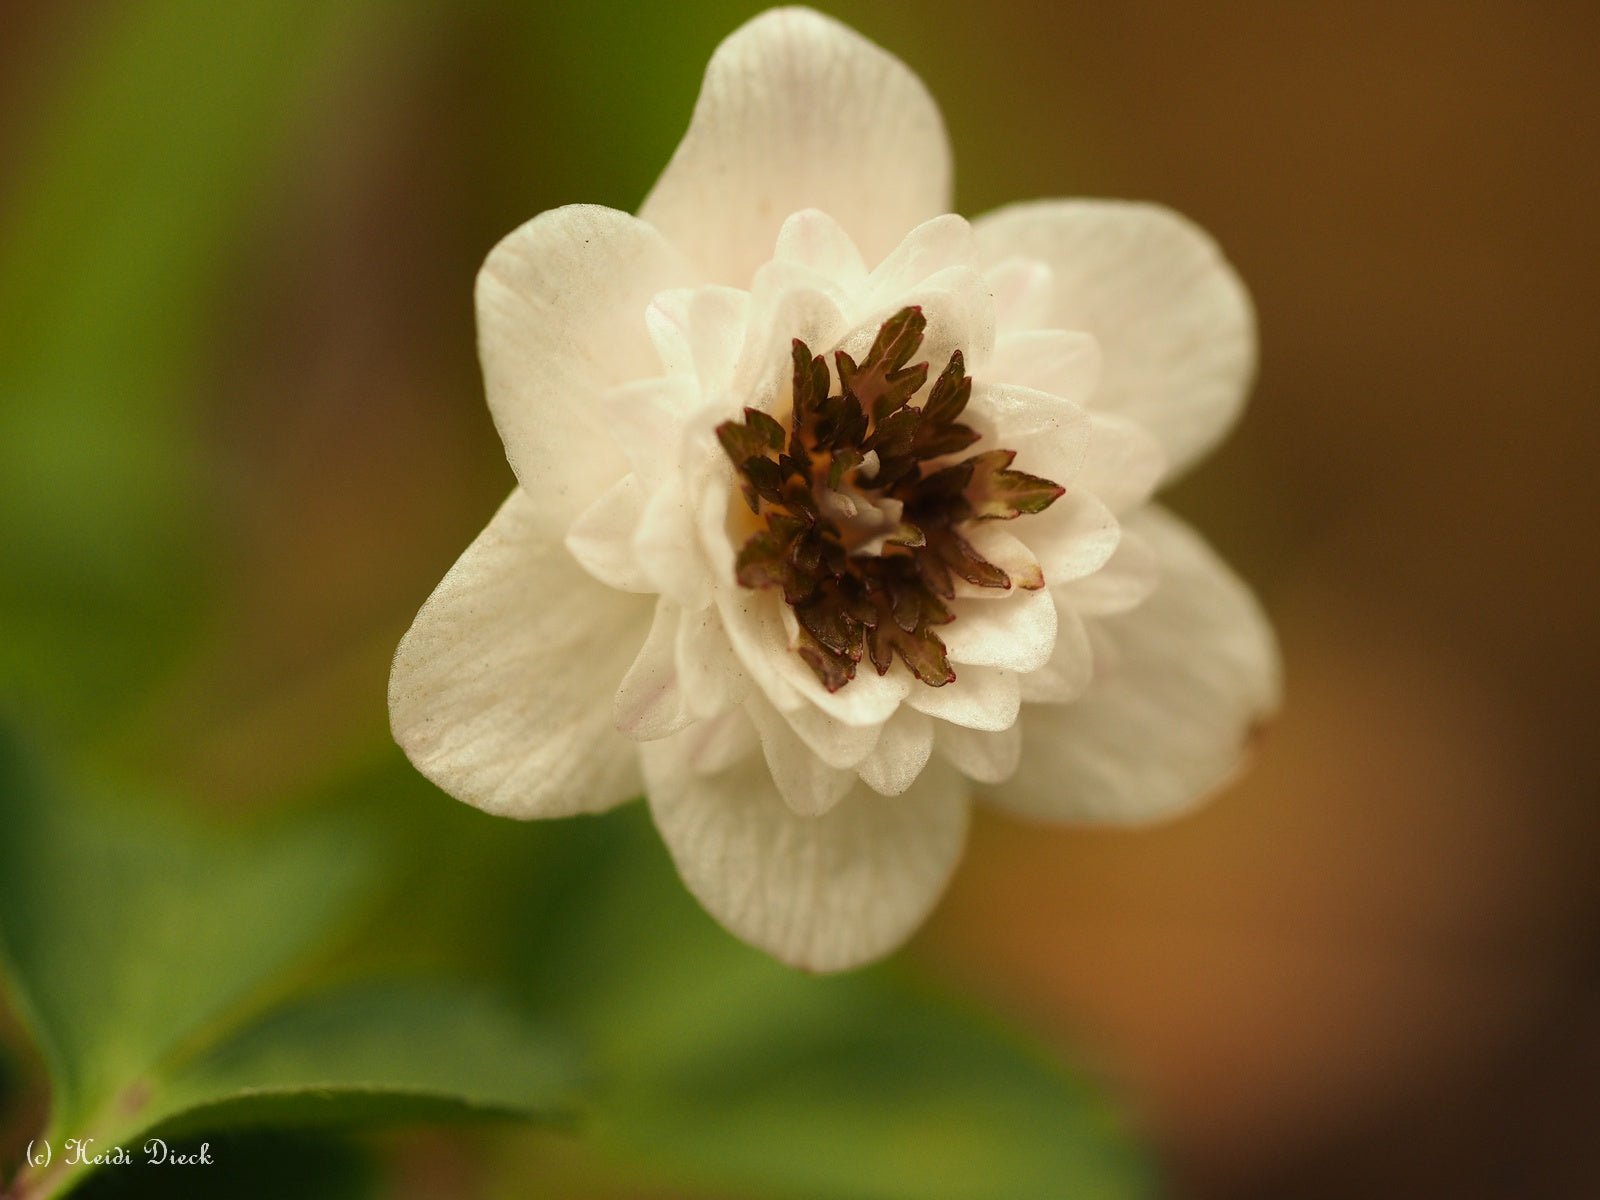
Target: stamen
[861,525]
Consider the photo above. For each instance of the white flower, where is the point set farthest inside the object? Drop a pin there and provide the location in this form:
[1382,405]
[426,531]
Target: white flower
[628,621]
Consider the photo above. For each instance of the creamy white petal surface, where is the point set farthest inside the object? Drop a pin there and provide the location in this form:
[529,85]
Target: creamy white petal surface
[813,637]
[826,892]
[1174,323]
[501,691]
[790,103]
[561,304]
[1191,671]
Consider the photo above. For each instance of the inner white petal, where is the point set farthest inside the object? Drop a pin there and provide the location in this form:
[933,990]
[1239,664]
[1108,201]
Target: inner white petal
[980,698]
[901,753]
[814,240]
[649,703]
[601,538]
[1017,633]
[808,785]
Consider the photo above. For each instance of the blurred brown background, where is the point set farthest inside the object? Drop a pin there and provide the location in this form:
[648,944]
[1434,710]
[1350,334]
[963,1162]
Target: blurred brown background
[1371,968]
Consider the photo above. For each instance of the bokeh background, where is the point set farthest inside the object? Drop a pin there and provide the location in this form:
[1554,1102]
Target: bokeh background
[244,437]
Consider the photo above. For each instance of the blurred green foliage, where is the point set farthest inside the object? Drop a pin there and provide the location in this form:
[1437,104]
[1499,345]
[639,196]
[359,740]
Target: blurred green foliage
[372,952]
[134,195]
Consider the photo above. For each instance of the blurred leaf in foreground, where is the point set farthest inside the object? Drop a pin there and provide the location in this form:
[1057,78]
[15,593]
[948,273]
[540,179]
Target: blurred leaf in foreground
[717,1068]
[156,962]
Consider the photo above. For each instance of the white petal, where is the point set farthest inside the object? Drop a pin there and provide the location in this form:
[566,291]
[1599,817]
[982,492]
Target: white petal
[561,318]
[1129,575]
[782,309]
[798,112]
[601,538]
[649,703]
[959,312]
[980,698]
[665,545]
[1124,462]
[1072,538]
[1064,362]
[1023,293]
[1193,671]
[1030,421]
[1071,666]
[708,670]
[817,242]
[933,246]
[824,893]
[900,754]
[1016,633]
[501,691]
[1174,323]
[831,740]
[718,317]
[981,756]
[666,319]
[809,786]
[722,742]
[645,418]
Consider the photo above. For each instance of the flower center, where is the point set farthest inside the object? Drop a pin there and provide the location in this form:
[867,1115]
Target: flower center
[861,521]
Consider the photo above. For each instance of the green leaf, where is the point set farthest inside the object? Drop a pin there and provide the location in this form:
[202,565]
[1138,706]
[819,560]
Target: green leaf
[726,1071]
[130,932]
[157,961]
[372,1052]
[865,1088]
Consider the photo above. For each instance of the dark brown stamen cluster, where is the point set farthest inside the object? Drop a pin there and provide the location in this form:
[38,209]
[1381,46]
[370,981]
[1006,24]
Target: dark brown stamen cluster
[877,586]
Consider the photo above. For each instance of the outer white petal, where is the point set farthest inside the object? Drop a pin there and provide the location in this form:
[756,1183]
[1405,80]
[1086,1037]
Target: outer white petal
[1174,323]
[501,691]
[824,893]
[797,112]
[561,319]
[1190,673]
